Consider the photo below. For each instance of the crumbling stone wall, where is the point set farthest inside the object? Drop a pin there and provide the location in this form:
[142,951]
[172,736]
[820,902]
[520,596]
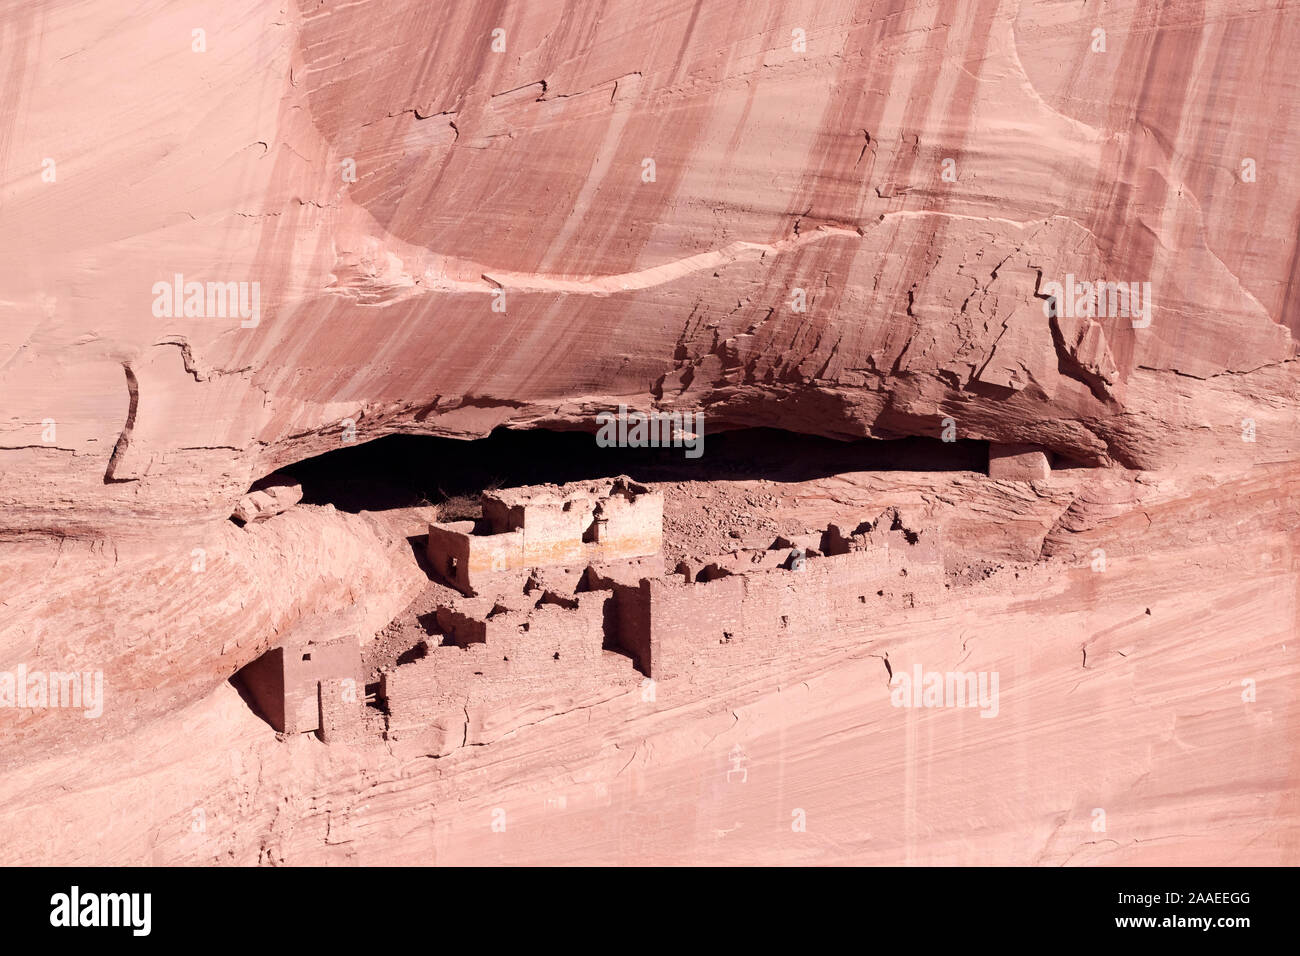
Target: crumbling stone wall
[628,524]
[287,682]
[546,527]
[518,652]
[511,652]
[777,610]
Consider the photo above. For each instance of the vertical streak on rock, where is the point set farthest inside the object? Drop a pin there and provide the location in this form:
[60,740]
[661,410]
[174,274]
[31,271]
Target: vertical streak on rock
[124,440]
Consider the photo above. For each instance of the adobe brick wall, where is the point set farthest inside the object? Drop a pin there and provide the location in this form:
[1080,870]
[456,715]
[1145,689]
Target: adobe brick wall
[774,611]
[465,560]
[448,552]
[632,527]
[576,634]
[519,648]
[603,575]
[684,618]
[285,687]
[553,531]
[545,527]
[461,628]
[340,705]
[336,659]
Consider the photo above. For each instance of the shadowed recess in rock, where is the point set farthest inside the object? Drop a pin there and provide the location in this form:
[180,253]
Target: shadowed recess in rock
[399,471]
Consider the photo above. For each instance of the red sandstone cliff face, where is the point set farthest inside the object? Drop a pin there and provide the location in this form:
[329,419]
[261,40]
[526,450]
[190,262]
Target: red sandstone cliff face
[167,621]
[779,165]
[785,174]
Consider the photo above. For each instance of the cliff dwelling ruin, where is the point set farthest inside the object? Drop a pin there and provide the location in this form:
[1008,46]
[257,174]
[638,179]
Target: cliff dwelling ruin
[565,589]
[544,589]
[416,410]
[309,684]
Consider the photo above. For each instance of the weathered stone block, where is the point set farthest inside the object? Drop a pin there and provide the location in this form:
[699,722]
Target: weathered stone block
[1018,463]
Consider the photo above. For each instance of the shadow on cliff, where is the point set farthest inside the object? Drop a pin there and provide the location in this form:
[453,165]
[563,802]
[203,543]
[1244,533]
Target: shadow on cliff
[401,471]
